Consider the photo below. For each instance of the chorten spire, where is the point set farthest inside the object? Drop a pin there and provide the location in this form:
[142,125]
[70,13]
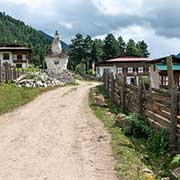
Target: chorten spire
[56,45]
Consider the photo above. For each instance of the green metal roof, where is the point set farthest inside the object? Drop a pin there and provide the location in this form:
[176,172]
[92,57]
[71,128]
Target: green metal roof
[163,67]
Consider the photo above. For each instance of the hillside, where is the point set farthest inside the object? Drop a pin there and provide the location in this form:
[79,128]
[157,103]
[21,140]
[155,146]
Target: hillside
[13,31]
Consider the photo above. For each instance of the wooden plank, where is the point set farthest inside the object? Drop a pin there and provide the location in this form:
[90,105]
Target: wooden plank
[157,109]
[161,120]
[155,124]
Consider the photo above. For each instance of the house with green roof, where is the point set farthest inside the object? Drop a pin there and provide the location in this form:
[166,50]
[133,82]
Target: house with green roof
[158,72]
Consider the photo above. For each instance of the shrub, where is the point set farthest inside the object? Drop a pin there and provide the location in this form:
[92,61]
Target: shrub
[158,142]
[137,127]
[176,160]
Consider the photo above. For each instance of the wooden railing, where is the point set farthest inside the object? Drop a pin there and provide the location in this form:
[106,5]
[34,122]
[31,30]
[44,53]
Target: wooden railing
[9,73]
[160,107]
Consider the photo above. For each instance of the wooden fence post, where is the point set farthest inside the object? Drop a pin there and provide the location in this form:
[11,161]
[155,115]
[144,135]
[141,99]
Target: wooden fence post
[173,90]
[112,86]
[139,97]
[107,83]
[14,73]
[0,73]
[6,72]
[173,117]
[123,97]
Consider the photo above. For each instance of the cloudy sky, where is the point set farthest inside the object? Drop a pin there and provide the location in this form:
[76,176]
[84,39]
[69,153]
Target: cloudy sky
[155,21]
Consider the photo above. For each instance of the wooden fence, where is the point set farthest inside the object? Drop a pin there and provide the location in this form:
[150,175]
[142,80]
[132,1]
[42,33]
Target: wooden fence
[9,73]
[161,107]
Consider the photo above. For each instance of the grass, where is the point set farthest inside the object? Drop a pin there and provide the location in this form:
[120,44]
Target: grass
[131,153]
[12,96]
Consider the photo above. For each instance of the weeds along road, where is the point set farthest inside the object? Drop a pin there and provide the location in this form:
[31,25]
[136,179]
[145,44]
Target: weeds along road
[55,137]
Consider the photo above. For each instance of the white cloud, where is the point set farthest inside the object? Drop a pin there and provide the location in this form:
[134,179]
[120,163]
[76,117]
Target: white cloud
[158,45]
[117,7]
[137,19]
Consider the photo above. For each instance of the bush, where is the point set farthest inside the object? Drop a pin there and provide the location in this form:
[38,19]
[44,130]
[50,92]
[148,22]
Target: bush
[176,161]
[137,127]
[146,82]
[158,142]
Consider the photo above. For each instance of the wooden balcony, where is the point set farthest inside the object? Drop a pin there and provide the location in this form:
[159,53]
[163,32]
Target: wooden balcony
[19,61]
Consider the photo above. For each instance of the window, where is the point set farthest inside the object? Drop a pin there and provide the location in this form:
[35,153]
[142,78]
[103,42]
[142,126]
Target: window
[164,80]
[130,69]
[15,57]
[140,69]
[23,57]
[119,70]
[19,57]
[6,56]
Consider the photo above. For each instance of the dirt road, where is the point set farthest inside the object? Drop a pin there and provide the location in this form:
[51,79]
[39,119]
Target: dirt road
[55,137]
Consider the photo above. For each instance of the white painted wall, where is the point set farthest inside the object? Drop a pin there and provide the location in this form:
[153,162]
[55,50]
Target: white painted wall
[100,70]
[56,63]
[10,61]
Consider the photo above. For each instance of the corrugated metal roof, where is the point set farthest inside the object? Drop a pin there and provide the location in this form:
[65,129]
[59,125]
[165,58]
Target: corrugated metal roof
[163,67]
[128,59]
[14,48]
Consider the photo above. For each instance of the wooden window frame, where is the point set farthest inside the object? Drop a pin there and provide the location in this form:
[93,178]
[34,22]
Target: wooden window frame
[6,56]
[140,70]
[119,70]
[164,80]
[130,70]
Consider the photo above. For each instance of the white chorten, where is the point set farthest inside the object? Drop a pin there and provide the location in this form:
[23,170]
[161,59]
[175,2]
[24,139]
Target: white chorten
[56,60]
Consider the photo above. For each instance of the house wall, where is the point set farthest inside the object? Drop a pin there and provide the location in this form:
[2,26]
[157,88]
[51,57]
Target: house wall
[10,61]
[100,70]
[154,76]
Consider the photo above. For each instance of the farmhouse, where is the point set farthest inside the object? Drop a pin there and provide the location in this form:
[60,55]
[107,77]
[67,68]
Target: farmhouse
[15,55]
[158,72]
[129,66]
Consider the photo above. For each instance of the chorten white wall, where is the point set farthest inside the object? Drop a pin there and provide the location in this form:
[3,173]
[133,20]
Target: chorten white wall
[56,60]
[56,63]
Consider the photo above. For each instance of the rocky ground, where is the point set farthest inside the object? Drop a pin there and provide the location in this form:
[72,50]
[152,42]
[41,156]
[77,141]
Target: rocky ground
[37,79]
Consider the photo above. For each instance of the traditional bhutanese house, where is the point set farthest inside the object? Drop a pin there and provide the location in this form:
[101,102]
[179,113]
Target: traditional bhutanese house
[131,67]
[158,72]
[15,55]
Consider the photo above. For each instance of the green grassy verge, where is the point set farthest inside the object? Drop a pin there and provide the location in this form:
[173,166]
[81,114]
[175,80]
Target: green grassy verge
[12,96]
[131,153]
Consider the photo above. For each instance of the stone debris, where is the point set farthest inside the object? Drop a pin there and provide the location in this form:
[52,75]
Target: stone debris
[121,121]
[176,172]
[37,79]
[62,75]
[100,101]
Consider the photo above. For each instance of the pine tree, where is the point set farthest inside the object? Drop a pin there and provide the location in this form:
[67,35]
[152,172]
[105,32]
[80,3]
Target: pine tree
[111,47]
[76,51]
[132,49]
[121,45]
[97,50]
[143,47]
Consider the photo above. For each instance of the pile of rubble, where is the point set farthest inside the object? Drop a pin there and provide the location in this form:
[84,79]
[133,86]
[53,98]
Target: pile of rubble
[37,79]
[61,75]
